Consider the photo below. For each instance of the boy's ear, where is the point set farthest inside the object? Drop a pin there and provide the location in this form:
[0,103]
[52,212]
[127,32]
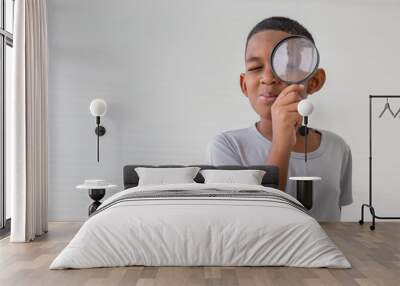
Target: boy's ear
[243,85]
[316,82]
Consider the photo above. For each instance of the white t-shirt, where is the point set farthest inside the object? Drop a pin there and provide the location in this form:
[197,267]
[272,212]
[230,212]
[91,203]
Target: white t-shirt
[331,161]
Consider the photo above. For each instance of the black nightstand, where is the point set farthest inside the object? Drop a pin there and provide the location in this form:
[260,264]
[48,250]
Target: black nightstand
[96,193]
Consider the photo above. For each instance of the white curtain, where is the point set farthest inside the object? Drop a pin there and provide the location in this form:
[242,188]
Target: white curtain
[28,122]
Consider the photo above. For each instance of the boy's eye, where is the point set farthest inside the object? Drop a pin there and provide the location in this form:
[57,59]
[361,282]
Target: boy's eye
[256,68]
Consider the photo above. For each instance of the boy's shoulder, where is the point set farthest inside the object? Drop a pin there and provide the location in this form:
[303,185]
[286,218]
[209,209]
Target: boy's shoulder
[238,132]
[334,139]
[235,135]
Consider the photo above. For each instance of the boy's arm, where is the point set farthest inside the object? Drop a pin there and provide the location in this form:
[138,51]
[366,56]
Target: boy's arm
[346,193]
[285,121]
[279,156]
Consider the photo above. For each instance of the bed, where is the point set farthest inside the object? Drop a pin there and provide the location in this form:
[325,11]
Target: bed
[201,224]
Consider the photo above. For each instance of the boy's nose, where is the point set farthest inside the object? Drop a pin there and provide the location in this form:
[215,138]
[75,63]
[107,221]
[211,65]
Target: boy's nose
[268,77]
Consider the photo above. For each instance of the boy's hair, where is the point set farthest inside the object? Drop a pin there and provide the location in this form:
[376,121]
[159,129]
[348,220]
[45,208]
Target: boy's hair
[280,24]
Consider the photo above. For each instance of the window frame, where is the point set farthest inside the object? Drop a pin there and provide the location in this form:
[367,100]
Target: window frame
[6,39]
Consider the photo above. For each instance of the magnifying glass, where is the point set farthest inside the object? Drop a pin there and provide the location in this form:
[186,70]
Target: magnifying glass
[294,60]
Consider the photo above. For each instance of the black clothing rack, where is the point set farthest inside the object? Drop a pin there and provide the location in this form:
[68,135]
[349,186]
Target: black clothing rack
[371,208]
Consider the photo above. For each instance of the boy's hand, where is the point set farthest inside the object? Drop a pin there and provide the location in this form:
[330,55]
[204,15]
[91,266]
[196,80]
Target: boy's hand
[285,117]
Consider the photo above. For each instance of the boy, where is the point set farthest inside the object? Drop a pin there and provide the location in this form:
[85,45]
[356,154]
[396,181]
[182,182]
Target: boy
[275,139]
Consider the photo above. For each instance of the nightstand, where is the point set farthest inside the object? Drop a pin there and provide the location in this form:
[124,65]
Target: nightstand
[96,192]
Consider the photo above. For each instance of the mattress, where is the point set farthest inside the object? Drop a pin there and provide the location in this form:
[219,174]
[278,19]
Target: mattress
[201,225]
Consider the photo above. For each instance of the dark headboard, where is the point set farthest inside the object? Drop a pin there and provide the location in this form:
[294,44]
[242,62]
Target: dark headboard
[270,179]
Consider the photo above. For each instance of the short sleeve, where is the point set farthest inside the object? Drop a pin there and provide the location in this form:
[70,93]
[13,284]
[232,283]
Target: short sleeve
[346,193]
[221,152]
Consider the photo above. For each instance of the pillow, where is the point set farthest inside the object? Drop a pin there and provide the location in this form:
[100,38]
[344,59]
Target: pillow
[165,176]
[248,177]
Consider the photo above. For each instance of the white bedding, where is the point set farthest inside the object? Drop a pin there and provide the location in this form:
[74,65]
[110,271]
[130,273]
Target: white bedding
[200,231]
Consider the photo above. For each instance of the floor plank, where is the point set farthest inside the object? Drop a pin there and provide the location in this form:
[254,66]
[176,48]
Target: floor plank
[374,255]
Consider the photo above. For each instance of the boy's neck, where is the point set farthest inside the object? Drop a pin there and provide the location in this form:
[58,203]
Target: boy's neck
[265,128]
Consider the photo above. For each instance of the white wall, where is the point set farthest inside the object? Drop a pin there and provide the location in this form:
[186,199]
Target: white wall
[169,71]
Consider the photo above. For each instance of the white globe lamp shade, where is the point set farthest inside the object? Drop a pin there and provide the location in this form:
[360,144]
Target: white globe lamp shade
[305,107]
[98,107]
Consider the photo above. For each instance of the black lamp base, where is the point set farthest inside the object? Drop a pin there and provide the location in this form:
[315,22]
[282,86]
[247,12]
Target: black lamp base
[303,130]
[100,130]
[96,195]
[305,193]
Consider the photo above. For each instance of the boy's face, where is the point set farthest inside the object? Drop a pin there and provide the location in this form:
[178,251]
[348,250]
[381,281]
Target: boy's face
[258,82]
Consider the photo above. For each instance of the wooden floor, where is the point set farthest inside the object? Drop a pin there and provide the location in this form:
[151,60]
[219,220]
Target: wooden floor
[374,255]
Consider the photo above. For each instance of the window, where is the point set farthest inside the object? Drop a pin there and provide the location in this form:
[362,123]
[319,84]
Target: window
[6,60]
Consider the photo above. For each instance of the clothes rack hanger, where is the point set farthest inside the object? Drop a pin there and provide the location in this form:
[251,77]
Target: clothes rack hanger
[397,113]
[387,107]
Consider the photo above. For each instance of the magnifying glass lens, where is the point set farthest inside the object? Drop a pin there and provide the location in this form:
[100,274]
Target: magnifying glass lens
[294,59]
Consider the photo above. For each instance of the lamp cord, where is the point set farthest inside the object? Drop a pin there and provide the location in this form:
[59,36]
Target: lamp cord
[305,145]
[306,137]
[98,129]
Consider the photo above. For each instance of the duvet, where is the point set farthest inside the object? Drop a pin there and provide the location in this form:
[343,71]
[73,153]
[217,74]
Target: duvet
[201,224]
